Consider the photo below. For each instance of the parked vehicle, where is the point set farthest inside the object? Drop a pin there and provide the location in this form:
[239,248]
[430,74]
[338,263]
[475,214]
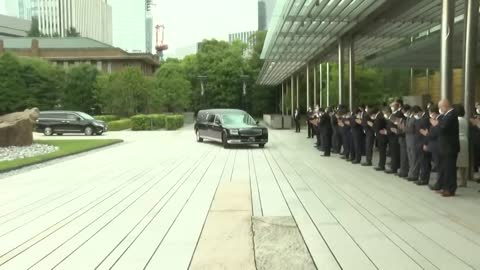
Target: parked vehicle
[61,122]
[229,127]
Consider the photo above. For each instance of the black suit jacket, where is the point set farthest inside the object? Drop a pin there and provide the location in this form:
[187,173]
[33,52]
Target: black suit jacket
[432,138]
[449,134]
[422,123]
[326,124]
[378,124]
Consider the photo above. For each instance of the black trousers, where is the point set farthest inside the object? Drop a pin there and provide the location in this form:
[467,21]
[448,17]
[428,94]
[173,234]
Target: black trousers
[394,147]
[357,138]
[318,131]
[448,172]
[310,130]
[297,125]
[327,142]
[346,142]
[404,167]
[425,166]
[369,141]
[382,150]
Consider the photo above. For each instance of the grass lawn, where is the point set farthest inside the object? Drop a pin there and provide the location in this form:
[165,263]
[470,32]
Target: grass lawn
[66,148]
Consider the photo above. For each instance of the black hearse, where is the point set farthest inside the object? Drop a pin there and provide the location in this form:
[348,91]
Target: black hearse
[229,127]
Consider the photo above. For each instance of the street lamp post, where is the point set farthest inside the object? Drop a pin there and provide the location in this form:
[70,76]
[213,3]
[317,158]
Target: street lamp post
[244,91]
[203,82]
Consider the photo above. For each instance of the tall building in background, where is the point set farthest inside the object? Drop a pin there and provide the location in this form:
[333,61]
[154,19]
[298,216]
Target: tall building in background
[130,22]
[91,18]
[265,13]
[245,37]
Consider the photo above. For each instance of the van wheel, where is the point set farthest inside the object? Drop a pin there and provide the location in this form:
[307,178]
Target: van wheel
[88,131]
[224,141]
[48,131]
[197,134]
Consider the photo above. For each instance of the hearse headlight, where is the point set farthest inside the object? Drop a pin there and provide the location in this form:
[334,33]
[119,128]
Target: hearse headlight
[233,132]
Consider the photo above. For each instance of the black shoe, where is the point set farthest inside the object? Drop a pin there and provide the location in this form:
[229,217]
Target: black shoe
[379,168]
[367,164]
[434,187]
[325,155]
[421,183]
[355,162]
[412,179]
[389,172]
[404,176]
[343,157]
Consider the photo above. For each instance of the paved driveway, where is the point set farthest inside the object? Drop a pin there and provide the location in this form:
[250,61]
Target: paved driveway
[144,205]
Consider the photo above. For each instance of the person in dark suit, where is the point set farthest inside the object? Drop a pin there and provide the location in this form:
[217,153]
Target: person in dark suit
[309,124]
[326,127]
[424,157]
[380,129]
[432,142]
[394,118]
[449,139]
[297,120]
[367,124]
[336,129]
[357,135]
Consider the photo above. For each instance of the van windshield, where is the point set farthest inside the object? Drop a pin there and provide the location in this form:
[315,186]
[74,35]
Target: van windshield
[235,119]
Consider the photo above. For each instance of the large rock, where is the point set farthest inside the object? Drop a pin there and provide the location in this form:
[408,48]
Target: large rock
[16,129]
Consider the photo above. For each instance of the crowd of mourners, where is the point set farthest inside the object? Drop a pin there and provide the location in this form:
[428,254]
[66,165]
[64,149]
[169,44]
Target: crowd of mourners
[417,141]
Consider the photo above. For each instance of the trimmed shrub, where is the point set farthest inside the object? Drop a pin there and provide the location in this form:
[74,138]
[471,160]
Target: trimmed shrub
[173,122]
[148,122]
[107,118]
[139,122]
[119,125]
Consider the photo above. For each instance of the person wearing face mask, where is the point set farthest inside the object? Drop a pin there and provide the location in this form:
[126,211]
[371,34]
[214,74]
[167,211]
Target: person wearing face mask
[475,137]
[357,135]
[394,117]
[326,127]
[430,146]
[401,126]
[369,133]
[297,120]
[309,124]
[381,135]
[424,157]
[449,139]
[412,153]
[337,130]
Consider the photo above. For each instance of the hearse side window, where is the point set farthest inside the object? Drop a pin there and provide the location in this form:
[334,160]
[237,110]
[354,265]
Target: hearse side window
[218,119]
[210,118]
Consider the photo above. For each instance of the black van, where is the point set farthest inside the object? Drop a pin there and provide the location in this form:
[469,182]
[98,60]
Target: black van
[60,122]
[229,127]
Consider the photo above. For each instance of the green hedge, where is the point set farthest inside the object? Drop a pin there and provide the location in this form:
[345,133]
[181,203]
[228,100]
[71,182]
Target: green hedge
[107,118]
[148,122]
[173,122]
[119,125]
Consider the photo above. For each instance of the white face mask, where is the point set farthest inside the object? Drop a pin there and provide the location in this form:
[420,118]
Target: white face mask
[441,111]
[385,115]
[392,108]
[431,116]
[418,117]
[478,111]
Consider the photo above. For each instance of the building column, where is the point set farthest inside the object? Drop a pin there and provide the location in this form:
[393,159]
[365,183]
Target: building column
[298,86]
[328,84]
[314,85]
[351,72]
[448,13]
[470,56]
[321,85]
[308,86]
[340,71]
[291,94]
[283,101]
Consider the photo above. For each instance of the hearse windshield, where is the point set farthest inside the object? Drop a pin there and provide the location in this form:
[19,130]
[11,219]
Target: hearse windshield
[238,118]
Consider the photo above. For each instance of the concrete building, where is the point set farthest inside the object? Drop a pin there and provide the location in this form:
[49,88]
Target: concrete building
[265,13]
[13,27]
[92,18]
[73,51]
[245,37]
[130,22]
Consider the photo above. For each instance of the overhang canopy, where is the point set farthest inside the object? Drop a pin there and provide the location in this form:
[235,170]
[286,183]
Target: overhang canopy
[307,31]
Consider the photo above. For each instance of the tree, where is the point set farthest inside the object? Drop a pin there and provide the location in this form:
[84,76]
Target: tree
[34,28]
[173,86]
[72,32]
[80,89]
[126,92]
[13,92]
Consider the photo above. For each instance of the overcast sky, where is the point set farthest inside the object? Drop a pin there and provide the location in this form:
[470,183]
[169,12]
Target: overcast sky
[190,21]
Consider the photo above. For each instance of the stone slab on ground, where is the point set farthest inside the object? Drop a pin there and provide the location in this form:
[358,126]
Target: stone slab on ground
[226,241]
[279,245]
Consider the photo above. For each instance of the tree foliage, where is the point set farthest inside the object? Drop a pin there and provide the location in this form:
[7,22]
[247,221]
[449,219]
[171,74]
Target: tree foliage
[80,94]
[174,89]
